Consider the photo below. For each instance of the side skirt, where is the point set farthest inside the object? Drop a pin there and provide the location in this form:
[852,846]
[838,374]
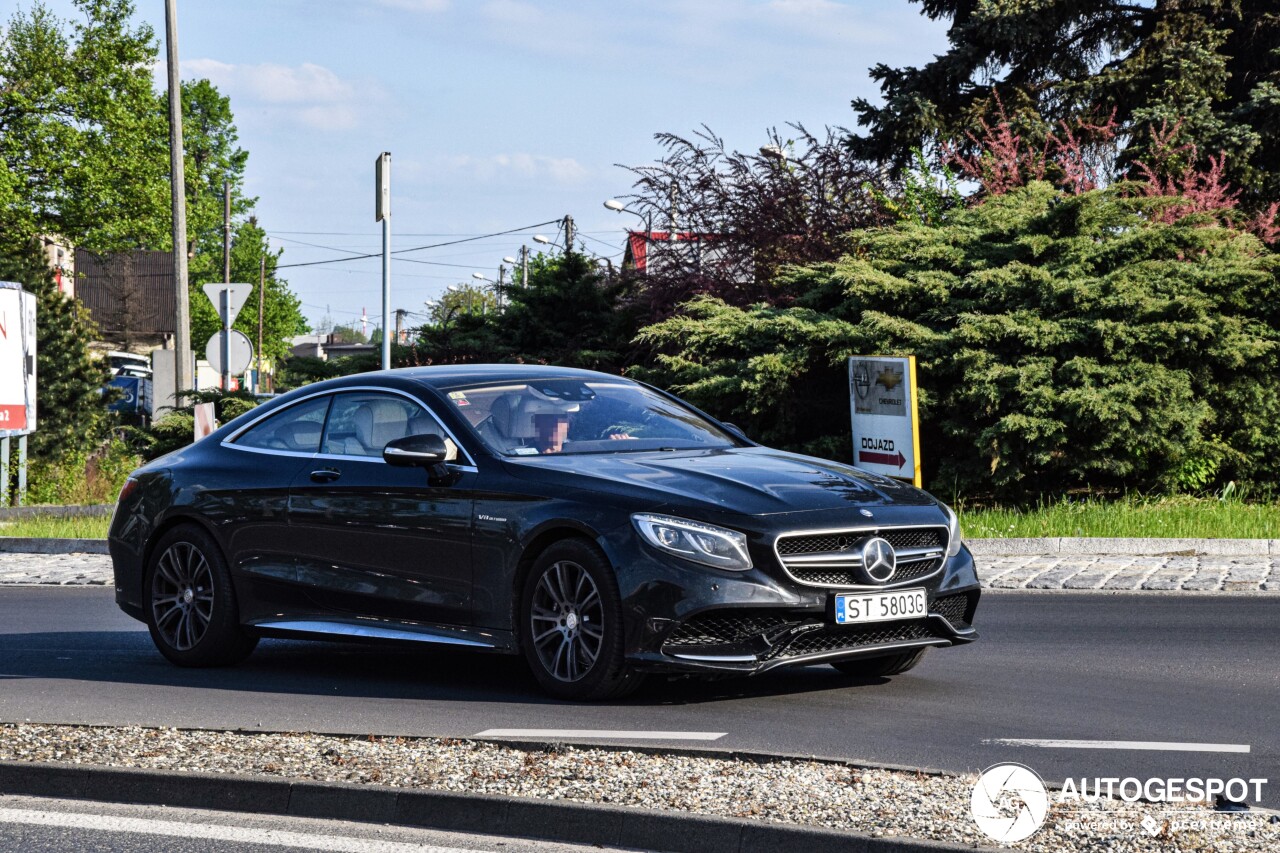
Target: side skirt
[385,630]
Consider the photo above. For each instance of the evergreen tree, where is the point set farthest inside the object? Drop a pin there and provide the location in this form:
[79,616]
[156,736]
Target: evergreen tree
[570,314]
[1211,67]
[1064,341]
[71,413]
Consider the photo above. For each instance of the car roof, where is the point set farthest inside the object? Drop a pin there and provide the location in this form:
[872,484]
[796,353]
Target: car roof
[446,377]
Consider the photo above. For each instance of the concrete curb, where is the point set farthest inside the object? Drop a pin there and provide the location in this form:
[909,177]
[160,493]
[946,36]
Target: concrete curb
[551,820]
[1141,547]
[1060,545]
[30,545]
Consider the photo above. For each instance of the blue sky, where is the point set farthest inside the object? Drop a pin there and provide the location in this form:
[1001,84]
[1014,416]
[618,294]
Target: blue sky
[502,113]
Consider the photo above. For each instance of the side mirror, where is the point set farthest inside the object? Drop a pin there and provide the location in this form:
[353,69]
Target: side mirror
[421,451]
[736,430]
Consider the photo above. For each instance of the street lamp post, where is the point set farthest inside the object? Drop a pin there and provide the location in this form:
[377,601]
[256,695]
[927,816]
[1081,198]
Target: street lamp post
[524,265]
[481,277]
[618,207]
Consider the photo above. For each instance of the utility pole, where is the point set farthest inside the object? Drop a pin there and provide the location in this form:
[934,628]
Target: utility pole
[400,312]
[226,232]
[568,233]
[524,267]
[382,211]
[226,279]
[262,287]
[502,283]
[183,380]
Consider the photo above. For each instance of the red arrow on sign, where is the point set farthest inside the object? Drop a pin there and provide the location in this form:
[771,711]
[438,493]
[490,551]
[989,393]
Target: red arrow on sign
[895,458]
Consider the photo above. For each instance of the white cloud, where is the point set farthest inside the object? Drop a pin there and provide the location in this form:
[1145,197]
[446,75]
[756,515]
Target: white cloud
[309,94]
[416,5]
[503,167]
[804,7]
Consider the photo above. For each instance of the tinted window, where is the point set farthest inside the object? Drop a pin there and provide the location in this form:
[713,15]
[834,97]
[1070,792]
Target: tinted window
[571,416]
[362,423]
[296,429]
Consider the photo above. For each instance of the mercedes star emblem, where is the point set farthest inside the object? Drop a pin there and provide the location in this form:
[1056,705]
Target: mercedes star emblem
[878,559]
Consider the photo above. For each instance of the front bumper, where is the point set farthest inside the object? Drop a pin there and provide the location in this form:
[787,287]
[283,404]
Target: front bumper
[684,619]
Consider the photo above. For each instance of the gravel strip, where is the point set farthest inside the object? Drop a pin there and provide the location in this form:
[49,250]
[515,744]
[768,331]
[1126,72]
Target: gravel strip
[875,802]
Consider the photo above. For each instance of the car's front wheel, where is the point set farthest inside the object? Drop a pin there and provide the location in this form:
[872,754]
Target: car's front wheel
[191,606]
[571,624]
[881,666]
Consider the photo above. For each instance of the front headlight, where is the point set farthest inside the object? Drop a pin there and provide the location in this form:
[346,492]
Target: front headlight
[954,539]
[693,540]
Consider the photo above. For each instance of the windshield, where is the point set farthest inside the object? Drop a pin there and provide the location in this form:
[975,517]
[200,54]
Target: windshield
[568,416]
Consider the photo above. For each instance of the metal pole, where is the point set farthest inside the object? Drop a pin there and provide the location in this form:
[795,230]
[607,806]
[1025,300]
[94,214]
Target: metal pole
[262,289]
[4,470]
[224,300]
[386,293]
[22,470]
[524,266]
[226,231]
[183,379]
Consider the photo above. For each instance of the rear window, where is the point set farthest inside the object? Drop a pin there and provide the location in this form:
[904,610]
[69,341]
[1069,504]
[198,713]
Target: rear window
[296,429]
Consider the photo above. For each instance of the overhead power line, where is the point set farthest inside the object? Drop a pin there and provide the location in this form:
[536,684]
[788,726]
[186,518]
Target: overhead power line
[417,248]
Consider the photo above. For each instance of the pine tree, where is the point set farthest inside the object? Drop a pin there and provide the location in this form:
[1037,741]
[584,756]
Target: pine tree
[1063,340]
[1210,66]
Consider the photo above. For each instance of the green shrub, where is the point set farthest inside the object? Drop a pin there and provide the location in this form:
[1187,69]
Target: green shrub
[82,478]
[1063,341]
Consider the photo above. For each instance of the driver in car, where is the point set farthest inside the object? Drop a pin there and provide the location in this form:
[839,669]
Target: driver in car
[538,420]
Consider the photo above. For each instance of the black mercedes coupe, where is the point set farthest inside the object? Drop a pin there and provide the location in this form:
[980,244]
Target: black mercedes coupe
[600,527]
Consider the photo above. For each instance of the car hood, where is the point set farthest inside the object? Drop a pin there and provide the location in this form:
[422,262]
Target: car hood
[749,480]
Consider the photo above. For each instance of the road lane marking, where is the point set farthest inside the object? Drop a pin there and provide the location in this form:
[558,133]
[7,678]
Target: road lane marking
[1150,745]
[600,734]
[217,832]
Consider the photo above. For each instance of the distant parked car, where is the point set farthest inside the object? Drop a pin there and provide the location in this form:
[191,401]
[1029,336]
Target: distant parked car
[129,364]
[599,527]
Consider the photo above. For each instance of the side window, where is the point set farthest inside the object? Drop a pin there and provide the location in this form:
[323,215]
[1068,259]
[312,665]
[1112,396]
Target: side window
[362,423]
[296,429]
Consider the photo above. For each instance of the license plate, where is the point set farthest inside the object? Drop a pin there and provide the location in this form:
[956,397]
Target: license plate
[853,608]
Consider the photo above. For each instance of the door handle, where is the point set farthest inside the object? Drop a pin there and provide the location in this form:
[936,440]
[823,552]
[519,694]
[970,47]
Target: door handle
[325,475]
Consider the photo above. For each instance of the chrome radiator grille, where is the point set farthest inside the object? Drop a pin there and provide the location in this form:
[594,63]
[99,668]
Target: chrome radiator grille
[830,559]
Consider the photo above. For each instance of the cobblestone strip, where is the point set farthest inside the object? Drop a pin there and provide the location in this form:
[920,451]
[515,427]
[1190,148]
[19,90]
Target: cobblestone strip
[1103,572]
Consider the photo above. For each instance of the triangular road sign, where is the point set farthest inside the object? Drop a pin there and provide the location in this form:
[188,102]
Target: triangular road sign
[237,295]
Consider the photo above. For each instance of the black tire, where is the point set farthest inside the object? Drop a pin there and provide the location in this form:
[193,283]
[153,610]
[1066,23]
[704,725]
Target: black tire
[190,603]
[881,666]
[571,590]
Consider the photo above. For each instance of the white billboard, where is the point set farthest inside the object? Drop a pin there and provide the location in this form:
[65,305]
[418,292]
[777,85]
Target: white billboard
[882,404]
[17,360]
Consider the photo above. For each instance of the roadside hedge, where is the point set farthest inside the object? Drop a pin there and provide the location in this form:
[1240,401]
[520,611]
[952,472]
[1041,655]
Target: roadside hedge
[1063,341]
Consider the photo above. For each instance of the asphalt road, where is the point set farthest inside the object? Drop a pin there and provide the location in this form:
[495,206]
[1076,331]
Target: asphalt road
[1050,666]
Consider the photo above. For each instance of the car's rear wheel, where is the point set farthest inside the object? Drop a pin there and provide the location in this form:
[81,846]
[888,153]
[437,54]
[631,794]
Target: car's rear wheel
[881,666]
[571,624]
[191,607]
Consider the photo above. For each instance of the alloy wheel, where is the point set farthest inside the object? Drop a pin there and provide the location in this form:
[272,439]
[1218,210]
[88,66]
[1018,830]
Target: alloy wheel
[182,595]
[567,621]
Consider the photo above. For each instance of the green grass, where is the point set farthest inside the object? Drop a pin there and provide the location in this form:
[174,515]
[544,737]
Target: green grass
[1165,518]
[45,527]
